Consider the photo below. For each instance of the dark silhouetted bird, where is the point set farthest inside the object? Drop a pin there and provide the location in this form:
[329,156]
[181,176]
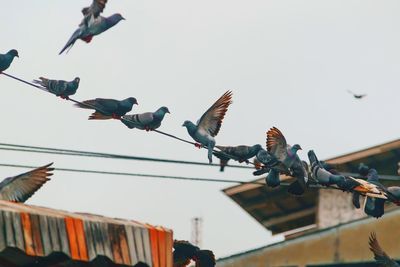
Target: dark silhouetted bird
[148,121]
[209,124]
[7,59]
[239,153]
[379,254]
[21,187]
[59,88]
[185,252]
[356,96]
[108,108]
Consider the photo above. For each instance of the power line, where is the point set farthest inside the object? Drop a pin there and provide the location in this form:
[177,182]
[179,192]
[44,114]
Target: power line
[122,119]
[70,152]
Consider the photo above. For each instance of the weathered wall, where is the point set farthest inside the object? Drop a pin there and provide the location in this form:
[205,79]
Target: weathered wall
[335,207]
[343,244]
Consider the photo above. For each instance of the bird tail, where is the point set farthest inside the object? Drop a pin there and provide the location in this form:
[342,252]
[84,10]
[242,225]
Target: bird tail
[99,116]
[43,82]
[222,164]
[87,104]
[75,36]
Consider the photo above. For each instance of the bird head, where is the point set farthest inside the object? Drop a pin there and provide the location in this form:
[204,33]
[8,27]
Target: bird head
[165,110]
[132,100]
[257,147]
[77,80]
[187,124]
[13,53]
[296,147]
[363,169]
[116,18]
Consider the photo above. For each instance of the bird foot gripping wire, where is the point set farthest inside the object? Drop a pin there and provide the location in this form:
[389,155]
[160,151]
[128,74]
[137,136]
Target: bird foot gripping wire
[114,116]
[198,145]
[64,97]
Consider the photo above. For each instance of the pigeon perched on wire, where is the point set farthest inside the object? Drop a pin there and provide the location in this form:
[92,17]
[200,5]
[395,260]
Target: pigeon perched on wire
[148,121]
[93,11]
[357,96]
[7,59]
[209,124]
[21,187]
[287,155]
[97,26]
[108,108]
[59,88]
[239,153]
[379,254]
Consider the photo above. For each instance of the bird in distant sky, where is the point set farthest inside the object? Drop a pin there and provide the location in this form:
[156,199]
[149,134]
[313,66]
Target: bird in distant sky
[93,24]
[108,108]
[356,96]
[379,254]
[7,59]
[59,88]
[21,187]
[209,124]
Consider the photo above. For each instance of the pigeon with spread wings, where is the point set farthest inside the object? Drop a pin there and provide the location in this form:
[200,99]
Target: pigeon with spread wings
[21,187]
[379,254]
[209,124]
[93,11]
[287,155]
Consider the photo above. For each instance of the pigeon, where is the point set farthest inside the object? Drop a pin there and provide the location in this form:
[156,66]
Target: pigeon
[357,96]
[287,155]
[209,124]
[205,258]
[148,121]
[87,32]
[239,153]
[264,161]
[7,59]
[59,88]
[108,108]
[183,253]
[380,256]
[93,11]
[21,187]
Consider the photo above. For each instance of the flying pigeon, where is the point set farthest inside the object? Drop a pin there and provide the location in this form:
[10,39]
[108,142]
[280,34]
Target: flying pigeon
[59,88]
[93,11]
[380,256]
[108,108]
[239,153]
[148,121]
[87,32]
[21,187]
[7,59]
[287,155]
[209,124]
[357,96]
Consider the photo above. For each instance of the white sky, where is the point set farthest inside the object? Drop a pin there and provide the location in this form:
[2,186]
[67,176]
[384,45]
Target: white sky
[289,64]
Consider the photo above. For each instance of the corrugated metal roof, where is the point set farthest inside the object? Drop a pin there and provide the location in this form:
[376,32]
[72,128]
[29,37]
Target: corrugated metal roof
[42,232]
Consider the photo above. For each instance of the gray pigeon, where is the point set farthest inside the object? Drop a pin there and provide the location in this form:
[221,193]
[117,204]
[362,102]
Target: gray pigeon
[239,153]
[357,96]
[379,254]
[59,88]
[148,121]
[21,187]
[87,32]
[93,11]
[287,155]
[108,108]
[7,59]
[209,124]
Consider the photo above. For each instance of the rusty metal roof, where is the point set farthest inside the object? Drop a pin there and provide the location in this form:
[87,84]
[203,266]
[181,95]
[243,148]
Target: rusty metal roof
[280,212]
[30,234]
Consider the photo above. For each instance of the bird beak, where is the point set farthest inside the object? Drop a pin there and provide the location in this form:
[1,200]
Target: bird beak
[168,112]
[183,125]
[123,18]
[17,56]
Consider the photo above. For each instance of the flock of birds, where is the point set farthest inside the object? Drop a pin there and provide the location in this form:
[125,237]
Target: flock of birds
[278,157]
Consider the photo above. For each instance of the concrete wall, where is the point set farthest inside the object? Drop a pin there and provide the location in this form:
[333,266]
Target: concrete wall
[347,243]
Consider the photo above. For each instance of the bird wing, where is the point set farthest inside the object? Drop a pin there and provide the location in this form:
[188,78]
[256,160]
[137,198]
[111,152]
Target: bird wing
[380,256]
[21,187]
[106,105]
[276,144]
[211,120]
[94,9]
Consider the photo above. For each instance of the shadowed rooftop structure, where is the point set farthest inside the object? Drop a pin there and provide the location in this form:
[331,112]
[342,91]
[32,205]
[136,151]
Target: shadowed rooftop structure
[280,212]
[37,236]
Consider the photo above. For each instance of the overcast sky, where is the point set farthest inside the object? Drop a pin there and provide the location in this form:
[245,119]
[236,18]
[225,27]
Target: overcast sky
[289,64]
